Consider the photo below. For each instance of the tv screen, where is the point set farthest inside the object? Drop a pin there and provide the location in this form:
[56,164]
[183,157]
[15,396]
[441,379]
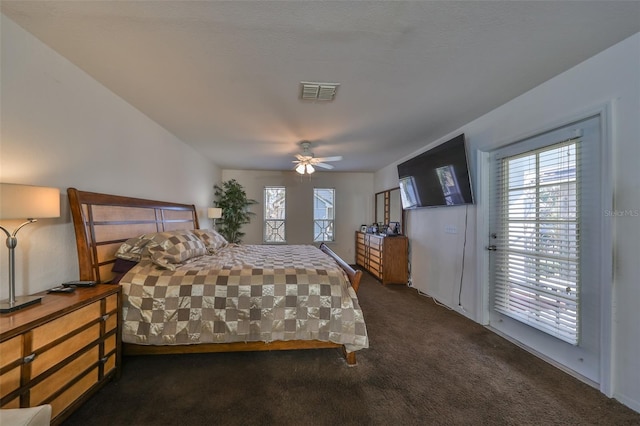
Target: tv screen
[437,177]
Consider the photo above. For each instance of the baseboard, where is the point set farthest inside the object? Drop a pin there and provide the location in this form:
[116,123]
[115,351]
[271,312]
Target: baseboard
[547,359]
[631,403]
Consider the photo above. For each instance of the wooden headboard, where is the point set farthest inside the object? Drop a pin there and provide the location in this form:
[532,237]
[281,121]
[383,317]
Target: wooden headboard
[103,222]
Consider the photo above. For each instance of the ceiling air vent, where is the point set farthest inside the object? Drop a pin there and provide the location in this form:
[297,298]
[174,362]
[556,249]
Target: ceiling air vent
[310,91]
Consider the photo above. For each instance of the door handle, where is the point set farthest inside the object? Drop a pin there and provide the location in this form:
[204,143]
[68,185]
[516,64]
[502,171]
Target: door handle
[492,248]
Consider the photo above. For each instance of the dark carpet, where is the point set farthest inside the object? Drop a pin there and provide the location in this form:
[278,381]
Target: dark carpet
[425,365]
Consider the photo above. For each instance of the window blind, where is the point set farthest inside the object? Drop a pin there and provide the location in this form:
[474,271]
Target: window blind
[537,238]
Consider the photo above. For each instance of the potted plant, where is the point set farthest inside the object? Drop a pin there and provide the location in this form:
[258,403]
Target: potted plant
[232,199]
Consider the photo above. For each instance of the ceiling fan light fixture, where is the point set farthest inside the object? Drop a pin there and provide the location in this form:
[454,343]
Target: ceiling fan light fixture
[306,163]
[305,168]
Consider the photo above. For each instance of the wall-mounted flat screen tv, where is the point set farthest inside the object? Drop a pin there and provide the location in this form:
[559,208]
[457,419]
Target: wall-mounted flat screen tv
[437,177]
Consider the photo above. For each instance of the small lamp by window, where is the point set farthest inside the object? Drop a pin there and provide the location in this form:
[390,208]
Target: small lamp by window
[29,203]
[214,213]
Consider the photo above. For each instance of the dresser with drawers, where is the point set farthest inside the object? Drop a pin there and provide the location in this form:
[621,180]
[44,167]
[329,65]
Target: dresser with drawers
[384,257]
[60,351]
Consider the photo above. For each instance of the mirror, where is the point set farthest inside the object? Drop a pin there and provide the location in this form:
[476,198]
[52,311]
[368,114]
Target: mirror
[380,208]
[395,206]
[389,207]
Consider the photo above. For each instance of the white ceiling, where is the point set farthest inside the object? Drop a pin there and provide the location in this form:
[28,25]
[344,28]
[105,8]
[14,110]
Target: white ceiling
[224,76]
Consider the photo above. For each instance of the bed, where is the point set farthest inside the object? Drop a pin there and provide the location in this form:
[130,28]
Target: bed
[234,298]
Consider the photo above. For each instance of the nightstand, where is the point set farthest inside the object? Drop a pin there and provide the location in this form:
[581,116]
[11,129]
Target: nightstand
[60,351]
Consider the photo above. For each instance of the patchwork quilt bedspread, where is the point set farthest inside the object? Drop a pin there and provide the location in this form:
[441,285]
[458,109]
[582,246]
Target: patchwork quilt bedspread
[243,293]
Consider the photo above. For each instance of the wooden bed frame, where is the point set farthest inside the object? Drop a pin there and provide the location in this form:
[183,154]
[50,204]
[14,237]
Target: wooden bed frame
[103,222]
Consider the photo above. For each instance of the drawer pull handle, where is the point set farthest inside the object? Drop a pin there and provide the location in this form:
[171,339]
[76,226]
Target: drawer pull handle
[27,359]
[104,359]
[105,317]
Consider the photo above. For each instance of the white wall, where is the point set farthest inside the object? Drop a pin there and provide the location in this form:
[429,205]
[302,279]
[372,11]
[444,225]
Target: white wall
[612,76]
[61,128]
[354,204]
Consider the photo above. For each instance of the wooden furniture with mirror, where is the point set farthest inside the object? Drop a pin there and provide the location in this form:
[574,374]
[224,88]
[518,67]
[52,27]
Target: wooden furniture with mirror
[60,351]
[389,208]
[385,257]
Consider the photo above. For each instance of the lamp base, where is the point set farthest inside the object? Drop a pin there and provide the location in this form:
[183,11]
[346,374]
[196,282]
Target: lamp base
[20,303]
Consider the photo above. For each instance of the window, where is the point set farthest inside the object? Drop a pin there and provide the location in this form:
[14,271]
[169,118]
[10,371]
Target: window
[540,279]
[274,214]
[323,214]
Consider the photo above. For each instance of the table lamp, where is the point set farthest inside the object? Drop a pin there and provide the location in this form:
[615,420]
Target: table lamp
[214,213]
[28,203]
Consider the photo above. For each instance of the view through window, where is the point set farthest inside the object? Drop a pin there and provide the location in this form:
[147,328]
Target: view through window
[274,214]
[323,214]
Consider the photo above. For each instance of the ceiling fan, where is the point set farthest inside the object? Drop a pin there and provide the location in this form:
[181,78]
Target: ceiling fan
[306,162]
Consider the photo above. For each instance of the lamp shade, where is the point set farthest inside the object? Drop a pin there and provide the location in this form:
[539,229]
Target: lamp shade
[303,168]
[214,213]
[28,202]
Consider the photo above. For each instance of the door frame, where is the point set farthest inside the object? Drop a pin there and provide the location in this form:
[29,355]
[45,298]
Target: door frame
[605,113]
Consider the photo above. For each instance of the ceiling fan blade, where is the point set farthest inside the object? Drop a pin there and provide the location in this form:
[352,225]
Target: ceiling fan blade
[336,158]
[323,165]
[300,157]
